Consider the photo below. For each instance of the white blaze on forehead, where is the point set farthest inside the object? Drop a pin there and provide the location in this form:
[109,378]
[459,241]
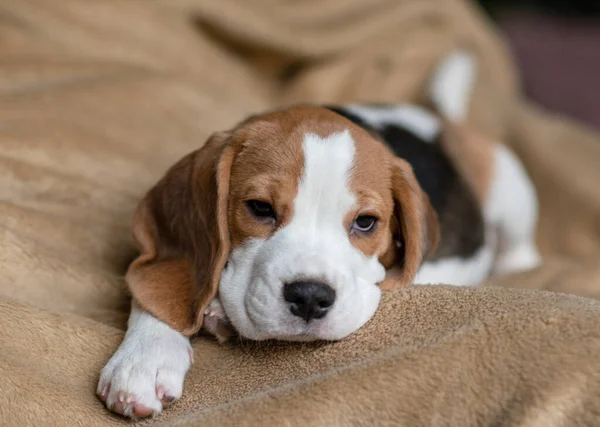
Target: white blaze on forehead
[323,195]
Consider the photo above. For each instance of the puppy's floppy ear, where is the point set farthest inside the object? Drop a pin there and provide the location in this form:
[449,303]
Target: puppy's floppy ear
[416,230]
[181,229]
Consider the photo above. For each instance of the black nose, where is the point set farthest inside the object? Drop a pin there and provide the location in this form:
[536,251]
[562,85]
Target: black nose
[309,300]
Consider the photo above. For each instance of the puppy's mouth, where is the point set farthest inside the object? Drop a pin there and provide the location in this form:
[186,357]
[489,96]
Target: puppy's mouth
[217,324]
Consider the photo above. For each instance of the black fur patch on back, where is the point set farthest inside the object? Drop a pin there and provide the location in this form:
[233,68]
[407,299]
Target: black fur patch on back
[459,212]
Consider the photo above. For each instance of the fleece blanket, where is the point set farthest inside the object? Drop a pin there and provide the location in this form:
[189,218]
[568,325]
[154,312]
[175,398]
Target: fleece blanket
[98,98]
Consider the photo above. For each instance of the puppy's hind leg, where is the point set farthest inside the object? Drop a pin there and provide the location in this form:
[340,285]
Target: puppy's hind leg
[512,208]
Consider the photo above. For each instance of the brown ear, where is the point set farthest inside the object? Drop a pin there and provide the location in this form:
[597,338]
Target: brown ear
[416,228]
[181,228]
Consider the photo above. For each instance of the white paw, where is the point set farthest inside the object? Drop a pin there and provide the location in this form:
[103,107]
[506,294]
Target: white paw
[521,258]
[216,322]
[147,371]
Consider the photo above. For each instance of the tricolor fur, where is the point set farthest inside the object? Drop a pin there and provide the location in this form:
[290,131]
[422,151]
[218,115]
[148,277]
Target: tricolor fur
[291,224]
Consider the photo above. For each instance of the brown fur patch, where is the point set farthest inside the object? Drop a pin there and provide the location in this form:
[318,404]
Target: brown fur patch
[371,183]
[181,228]
[417,222]
[472,154]
[268,164]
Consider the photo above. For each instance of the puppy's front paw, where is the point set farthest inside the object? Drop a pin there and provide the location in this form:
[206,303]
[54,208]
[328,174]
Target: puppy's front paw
[146,373]
[216,322]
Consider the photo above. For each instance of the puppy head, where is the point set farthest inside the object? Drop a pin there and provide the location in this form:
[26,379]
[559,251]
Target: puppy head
[293,217]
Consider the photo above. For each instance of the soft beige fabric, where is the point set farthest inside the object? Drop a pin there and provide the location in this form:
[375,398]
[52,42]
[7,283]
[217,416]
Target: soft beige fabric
[98,98]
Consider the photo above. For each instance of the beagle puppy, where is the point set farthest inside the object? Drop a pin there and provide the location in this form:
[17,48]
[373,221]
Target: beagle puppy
[290,225]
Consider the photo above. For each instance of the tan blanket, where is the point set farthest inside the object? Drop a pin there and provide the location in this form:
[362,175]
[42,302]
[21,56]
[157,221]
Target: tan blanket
[98,98]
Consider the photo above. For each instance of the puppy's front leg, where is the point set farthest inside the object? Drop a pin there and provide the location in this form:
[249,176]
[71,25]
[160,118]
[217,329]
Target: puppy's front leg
[147,371]
[216,322]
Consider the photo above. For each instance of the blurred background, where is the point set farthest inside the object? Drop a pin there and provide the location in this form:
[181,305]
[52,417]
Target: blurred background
[556,44]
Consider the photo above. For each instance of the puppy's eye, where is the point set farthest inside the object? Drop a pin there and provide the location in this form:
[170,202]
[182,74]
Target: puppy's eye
[261,210]
[365,223]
